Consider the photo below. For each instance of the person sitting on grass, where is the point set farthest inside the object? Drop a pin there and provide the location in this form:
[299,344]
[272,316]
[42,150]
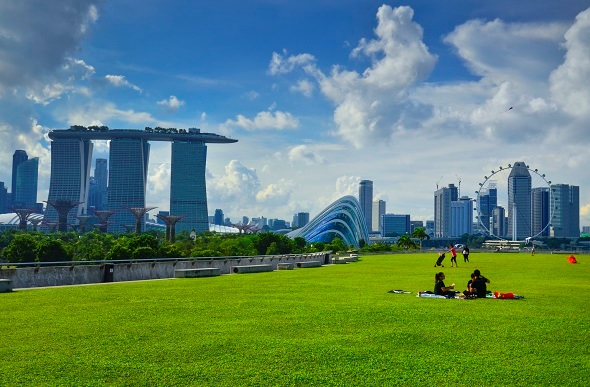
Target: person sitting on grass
[470,292]
[479,284]
[440,289]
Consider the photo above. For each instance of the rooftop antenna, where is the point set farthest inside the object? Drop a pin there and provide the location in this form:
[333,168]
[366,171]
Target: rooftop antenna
[459,188]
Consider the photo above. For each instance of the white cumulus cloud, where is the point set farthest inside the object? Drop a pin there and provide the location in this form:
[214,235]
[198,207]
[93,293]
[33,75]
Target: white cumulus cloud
[570,82]
[283,64]
[304,153]
[172,103]
[120,81]
[266,120]
[304,87]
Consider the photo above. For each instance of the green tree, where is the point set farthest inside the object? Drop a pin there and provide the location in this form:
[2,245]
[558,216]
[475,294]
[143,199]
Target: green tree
[299,244]
[169,250]
[52,250]
[273,249]
[420,234]
[337,245]
[92,246]
[406,242]
[143,240]
[22,248]
[143,252]
[205,253]
[120,250]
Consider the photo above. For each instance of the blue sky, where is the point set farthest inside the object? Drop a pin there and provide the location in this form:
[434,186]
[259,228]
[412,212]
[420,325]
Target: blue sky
[319,94]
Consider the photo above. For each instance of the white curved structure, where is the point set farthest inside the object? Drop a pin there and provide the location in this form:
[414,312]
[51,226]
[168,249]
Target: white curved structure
[342,219]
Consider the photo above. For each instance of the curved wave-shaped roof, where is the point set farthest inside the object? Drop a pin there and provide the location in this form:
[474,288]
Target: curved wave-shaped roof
[342,219]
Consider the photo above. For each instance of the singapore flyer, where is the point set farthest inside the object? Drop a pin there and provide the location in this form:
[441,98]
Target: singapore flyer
[514,203]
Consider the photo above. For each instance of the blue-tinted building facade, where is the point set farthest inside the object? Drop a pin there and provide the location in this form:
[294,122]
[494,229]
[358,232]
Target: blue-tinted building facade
[70,175]
[188,191]
[342,219]
[27,175]
[128,166]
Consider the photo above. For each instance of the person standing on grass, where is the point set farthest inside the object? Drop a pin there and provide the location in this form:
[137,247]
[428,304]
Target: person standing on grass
[453,255]
[533,250]
[440,289]
[465,253]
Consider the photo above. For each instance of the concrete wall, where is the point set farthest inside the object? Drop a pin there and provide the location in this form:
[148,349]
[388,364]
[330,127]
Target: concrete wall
[79,273]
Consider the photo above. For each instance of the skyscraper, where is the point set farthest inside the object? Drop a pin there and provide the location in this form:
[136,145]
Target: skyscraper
[461,217]
[18,157]
[3,198]
[302,218]
[70,174]
[519,202]
[378,212]
[27,173]
[395,225]
[540,211]
[101,176]
[188,191]
[218,217]
[499,222]
[127,172]
[442,211]
[487,201]
[366,201]
[565,200]
[128,166]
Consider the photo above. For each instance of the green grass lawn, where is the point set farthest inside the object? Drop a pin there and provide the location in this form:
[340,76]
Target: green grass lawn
[328,326]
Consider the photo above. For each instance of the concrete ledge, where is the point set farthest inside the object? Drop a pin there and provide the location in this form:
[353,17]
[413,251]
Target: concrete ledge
[285,266]
[309,264]
[353,258]
[339,261]
[193,273]
[250,268]
[5,285]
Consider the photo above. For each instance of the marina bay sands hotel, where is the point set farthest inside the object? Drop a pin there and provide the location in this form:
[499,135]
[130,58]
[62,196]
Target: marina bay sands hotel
[71,158]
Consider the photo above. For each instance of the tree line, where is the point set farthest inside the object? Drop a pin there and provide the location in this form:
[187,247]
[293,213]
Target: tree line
[21,246]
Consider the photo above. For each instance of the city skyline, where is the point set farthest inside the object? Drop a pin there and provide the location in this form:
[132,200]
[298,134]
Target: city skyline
[405,96]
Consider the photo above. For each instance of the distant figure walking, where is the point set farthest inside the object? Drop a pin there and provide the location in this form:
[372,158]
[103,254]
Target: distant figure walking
[533,250]
[465,253]
[453,255]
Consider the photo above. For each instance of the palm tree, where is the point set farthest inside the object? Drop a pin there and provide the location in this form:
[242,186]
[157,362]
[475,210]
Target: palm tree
[420,234]
[406,242]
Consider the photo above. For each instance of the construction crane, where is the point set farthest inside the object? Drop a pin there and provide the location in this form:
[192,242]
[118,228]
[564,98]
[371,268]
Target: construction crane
[438,182]
[459,188]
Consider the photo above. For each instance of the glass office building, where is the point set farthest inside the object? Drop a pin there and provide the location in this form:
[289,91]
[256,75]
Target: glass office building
[188,191]
[128,166]
[27,176]
[70,175]
[519,202]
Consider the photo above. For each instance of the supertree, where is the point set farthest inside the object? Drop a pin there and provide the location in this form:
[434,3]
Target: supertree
[23,216]
[139,213]
[63,208]
[51,225]
[103,218]
[244,228]
[170,221]
[35,222]
[83,219]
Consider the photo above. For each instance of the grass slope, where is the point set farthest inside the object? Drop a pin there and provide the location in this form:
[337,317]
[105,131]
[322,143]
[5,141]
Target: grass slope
[328,326]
